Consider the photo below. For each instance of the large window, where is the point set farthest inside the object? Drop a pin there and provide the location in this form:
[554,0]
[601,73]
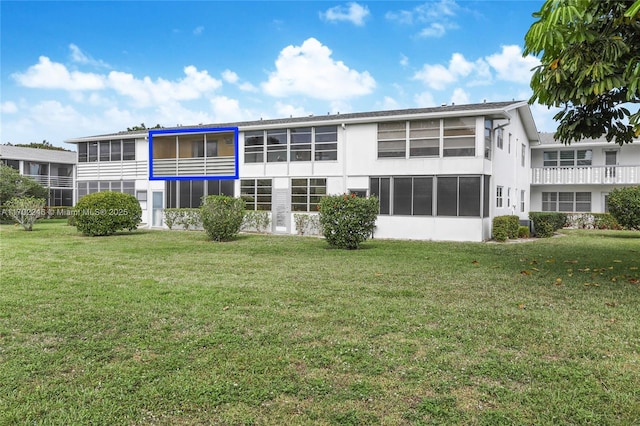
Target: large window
[459,137]
[189,193]
[61,197]
[306,194]
[256,193]
[114,150]
[295,144]
[567,158]
[89,187]
[566,201]
[416,195]
[392,139]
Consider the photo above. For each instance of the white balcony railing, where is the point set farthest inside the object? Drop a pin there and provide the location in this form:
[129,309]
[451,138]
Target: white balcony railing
[202,166]
[53,181]
[586,175]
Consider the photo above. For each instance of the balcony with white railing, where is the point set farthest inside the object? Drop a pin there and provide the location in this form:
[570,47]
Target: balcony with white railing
[200,166]
[53,181]
[586,175]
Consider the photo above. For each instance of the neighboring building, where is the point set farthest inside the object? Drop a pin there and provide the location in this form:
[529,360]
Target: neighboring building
[440,173]
[53,169]
[579,177]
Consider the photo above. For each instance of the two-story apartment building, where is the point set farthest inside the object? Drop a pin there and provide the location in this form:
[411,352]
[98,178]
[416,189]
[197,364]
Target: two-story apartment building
[440,173]
[578,177]
[53,169]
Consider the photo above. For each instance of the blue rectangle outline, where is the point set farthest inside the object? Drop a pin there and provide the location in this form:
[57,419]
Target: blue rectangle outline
[236,133]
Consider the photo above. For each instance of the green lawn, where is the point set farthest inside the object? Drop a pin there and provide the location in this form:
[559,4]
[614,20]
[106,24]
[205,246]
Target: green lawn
[161,327]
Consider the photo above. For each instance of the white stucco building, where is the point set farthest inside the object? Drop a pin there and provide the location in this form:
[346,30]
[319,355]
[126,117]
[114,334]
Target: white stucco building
[440,173]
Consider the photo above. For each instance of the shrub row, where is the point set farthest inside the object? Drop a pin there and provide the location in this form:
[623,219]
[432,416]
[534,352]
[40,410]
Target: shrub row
[307,224]
[592,221]
[505,227]
[104,213]
[624,205]
[256,221]
[187,218]
[546,224]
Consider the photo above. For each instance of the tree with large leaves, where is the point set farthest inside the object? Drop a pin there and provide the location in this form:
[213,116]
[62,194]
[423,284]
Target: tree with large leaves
[13,184]
[590,67]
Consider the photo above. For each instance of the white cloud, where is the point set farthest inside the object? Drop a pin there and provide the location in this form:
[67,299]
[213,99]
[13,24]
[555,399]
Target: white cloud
[230,76]
[52,75]
[310,70]
[77,55]
[233,78]
[424,100]
[8,107]
[288,110]
[352,12]
[404,60]
[198,30]
[435,76]
[226,110]
[388,103]
[435,16]
[459,97]
[510,65]
[146,92]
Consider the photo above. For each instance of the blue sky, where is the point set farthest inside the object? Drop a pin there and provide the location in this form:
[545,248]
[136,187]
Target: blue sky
[72,69]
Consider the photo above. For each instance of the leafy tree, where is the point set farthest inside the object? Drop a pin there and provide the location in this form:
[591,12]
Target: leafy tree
[624,206]
[143,127]
[26,210]
[13,184]
[590,67]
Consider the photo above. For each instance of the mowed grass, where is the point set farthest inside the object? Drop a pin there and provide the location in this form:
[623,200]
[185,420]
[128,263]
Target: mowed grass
[161,327]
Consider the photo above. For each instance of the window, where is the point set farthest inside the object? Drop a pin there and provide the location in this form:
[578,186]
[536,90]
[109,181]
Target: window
[128,150]
[141,195]
[36,169]
[61,197]
[256,193]
[567,158]
[362,193]
[488,138]
[116,150]
[459,137]
[566,201]
[82,152]
[522,200]
[301,144]
[499,196]
[189,193]
[89,187]
[415,195]
[306,194]
[523,155]
[276,145]
[424,138]
[93,152]
[509,144]
[254,147]
[105,151]
[392,139]
[14,164]
[508,198]
[326,143]
[380,187]
[500,138]
[458,196]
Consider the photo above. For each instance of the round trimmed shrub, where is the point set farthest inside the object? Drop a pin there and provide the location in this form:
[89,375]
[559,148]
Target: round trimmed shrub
[104,213]
[347,220]
[624,206]
[222,216]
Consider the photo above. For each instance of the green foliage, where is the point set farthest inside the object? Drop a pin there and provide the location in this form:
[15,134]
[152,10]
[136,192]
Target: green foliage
[347,220]
[307,224]
[605,221]
[222,216]
[590,67]
[13,184]
[505,227]
[45,144]
[546,224]
[624,206]
[25,210]
[524,232]
[185,217]
[104,213]
[256,220]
